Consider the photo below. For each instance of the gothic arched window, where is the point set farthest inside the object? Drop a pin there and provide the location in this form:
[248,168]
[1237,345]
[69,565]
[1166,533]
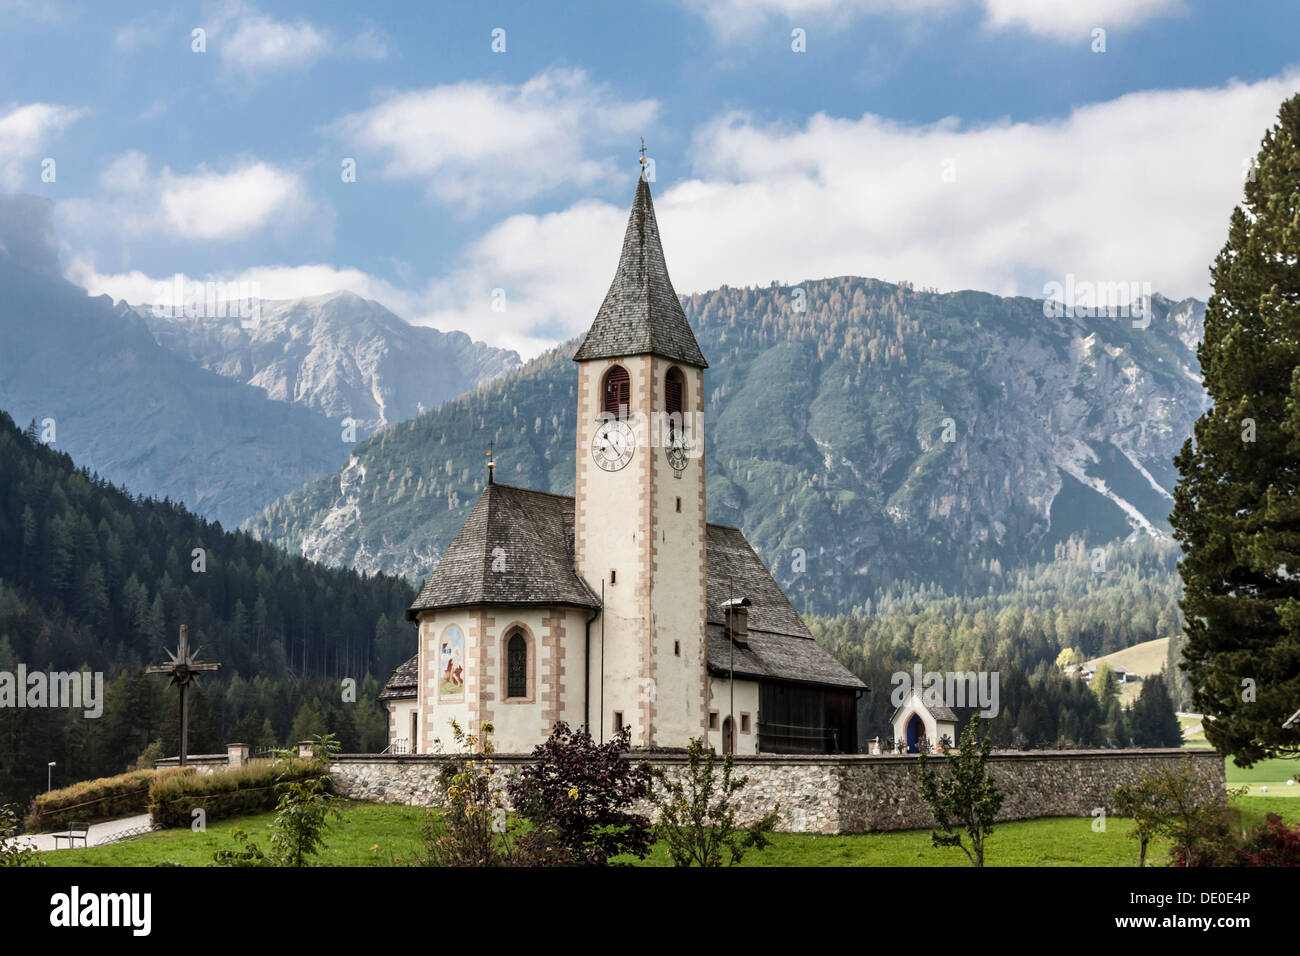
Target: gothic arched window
[517,666]
[674,399]
[616,391]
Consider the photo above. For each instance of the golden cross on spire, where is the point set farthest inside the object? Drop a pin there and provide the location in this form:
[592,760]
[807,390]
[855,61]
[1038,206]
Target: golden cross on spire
[491,462]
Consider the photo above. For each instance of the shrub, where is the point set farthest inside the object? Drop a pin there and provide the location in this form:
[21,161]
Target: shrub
[301,812]
[474,830]
[222,794]
[696,826]
[577,797]
[93,801]
[14,850]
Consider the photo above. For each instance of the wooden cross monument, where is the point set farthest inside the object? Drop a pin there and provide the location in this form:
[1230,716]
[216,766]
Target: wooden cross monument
[183,668]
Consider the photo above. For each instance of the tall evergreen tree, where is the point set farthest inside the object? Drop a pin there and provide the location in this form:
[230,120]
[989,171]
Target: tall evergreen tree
[1236,508]
[1154,722]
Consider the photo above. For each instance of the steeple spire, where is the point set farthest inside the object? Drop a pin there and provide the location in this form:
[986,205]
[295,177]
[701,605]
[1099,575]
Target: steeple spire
[641,313]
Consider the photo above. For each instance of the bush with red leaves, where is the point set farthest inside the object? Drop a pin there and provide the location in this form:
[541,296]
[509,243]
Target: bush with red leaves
[577,795]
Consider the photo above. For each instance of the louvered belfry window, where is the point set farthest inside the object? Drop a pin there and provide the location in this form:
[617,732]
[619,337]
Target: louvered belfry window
[517,666]
[618,391]
[674,391]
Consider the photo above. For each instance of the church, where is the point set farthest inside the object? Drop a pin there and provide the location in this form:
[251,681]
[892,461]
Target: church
[620,607]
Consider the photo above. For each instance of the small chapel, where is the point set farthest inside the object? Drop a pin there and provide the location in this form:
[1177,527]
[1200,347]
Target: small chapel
[620,607]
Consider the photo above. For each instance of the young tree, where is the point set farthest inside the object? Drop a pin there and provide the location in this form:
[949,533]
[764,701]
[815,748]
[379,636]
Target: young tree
[1238,497]
[697,815]
[1145,804]
[966,799]
[578,795]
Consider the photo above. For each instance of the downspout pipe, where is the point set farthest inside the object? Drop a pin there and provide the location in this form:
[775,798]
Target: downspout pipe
[586,675]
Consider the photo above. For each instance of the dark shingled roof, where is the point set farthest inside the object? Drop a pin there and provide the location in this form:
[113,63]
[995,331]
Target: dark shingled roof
[734,570]
[938,712]
[641,313]
[404,680]
[534,531]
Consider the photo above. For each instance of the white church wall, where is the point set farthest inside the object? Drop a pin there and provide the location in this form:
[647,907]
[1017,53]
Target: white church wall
[438,704]
[400,713]
[746,705]
[554,639]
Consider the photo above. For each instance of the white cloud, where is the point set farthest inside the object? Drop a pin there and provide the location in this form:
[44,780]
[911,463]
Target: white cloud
[472,142]
[25,134]
[271,282]
[1061,20]
[1134,189]
[1067,20]
[250,41]
[204,204]
[140,33]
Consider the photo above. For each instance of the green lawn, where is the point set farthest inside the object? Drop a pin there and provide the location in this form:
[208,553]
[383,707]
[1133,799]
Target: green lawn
[1273,773]
[374,834]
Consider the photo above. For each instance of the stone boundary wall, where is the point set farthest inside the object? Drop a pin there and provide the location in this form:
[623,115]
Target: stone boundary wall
[835,794]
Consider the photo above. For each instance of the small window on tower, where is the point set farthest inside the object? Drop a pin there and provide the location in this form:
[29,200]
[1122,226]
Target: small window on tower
[674,399]
[744,723]
[613,576]
[617,392]
[618,721]
[677,648]
[713,720]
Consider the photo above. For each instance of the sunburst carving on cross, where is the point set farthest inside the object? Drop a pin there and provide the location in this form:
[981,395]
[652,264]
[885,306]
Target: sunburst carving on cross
[183,668]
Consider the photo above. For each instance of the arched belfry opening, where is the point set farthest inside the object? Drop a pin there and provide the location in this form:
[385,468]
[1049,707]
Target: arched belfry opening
[616,392]
[674,400]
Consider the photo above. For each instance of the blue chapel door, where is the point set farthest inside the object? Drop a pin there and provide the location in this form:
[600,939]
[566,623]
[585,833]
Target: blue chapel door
[915,731]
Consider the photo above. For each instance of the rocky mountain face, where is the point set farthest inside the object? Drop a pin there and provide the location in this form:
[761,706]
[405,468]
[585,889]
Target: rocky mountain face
[863,434]
[340,354]
[101,389]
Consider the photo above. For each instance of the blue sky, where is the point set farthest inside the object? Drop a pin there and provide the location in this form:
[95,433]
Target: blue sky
[954,143]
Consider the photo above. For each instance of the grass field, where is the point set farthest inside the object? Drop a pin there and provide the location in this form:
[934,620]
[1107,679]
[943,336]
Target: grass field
[376,834]
[1142,659]
[1273,774]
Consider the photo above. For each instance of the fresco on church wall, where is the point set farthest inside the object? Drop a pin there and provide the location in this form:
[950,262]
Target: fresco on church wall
[451,665]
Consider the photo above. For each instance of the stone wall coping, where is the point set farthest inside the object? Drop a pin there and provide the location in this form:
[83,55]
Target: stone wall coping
[848,760]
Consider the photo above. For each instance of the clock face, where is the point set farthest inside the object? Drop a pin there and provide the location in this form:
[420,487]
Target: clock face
[613,445]
[677,457]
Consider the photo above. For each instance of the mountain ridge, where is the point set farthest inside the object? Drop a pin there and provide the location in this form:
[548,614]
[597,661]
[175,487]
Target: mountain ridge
[880,436]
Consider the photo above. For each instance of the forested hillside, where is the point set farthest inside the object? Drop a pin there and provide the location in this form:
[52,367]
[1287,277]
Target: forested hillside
[1090,602]
[92,578]
[864,435]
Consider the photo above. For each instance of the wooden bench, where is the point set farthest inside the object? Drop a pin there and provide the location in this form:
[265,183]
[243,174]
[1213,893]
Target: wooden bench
[76,831]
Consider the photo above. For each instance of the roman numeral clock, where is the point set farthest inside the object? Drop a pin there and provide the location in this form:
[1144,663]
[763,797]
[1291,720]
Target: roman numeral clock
[613,445]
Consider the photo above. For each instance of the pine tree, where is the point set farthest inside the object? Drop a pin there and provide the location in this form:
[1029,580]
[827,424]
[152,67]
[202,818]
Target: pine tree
[1154,722]
[1236,509]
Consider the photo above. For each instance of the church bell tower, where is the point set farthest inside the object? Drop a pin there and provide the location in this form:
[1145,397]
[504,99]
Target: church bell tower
[639,516]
